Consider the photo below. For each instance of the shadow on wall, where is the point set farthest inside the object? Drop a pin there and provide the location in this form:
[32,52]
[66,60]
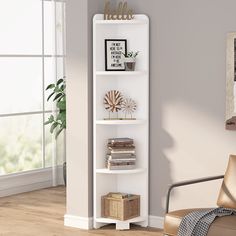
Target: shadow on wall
[161,165]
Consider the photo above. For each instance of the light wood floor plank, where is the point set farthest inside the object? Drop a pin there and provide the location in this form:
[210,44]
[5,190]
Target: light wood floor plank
[41,213]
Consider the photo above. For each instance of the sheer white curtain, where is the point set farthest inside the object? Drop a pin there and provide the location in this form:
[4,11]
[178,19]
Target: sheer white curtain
[57,20]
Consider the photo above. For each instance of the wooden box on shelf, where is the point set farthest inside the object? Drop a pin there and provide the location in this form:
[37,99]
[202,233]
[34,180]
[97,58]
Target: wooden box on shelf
[120,206]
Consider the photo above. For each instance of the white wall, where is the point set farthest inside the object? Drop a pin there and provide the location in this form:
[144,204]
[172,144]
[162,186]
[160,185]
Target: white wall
[187,94]
[79,179]
[79,111]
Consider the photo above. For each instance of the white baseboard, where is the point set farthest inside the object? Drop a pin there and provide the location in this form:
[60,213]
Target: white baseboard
[156,222]
[78,222]
[28,181]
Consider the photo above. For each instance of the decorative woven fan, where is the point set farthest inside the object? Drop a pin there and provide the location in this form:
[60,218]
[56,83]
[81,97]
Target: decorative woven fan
[128,106]
[113,101]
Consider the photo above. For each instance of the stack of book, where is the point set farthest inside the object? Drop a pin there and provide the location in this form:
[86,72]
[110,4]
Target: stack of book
[121,154]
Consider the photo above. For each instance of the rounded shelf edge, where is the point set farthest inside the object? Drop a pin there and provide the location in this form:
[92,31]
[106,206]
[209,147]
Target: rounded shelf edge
[117,172]
[120,73]
[120,122]
[113,221]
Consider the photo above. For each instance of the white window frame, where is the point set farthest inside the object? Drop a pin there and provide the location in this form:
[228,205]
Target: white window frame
[45,176]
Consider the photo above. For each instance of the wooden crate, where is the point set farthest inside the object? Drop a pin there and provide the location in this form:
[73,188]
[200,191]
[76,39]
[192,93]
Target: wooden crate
[120,208]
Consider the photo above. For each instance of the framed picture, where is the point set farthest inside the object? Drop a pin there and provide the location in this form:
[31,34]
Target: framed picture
[114,50]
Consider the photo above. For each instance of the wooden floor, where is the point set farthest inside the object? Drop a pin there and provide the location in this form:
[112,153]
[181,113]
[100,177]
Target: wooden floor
[41,213]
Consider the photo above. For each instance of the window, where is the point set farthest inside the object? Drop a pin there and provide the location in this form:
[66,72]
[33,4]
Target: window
[31,57]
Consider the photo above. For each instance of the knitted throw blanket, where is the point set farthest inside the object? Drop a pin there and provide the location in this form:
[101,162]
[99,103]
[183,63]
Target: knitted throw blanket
[197,223]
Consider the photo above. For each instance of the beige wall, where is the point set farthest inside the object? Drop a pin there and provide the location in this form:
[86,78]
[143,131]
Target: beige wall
[187,94]
[188,138]
[79,179]
[79,15]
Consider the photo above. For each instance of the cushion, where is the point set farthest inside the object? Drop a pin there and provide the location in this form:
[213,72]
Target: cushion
[225,225]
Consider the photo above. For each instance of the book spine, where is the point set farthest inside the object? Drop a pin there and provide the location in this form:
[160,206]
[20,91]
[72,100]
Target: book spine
[125,167]
[120,156]
[121,152]
[112,140]
[120,160]
[131,148]
[120,145]
[121,163]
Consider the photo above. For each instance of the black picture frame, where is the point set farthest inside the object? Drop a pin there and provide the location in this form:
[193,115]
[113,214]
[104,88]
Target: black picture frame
[121,47]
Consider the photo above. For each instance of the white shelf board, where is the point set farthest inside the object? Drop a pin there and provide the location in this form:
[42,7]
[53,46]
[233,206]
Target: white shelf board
[120,122]
[113,221]
[117,172]
[120,22]
[120,73]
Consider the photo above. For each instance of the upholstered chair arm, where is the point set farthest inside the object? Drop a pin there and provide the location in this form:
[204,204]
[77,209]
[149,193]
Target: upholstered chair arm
[188,182]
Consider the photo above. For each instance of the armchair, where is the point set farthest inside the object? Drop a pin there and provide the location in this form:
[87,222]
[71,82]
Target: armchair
[227,198]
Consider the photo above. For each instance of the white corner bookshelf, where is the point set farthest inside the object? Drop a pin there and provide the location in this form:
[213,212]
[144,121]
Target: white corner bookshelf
[134,84]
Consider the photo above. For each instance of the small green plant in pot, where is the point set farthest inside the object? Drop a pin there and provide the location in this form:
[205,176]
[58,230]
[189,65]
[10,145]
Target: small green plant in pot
[58,121]
[130,60]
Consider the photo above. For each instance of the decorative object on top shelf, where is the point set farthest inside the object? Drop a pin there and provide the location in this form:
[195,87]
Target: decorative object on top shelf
[121,154]
[122,12]
[114,48]
[120,206]
[130,60]
[128,106]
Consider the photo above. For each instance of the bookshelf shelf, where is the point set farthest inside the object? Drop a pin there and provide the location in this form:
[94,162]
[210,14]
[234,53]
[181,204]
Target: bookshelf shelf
[120,122]
[118,172]
[119,22]
[133,84]
[112,221]
[120,73]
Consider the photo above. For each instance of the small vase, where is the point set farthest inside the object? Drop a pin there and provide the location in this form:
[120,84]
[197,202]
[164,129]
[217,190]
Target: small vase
[130,66]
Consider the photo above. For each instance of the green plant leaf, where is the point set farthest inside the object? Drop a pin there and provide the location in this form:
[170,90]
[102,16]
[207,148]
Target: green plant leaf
[61,105]
[51,118]
[57,96]
[63,87]
[53,126]
[57,89]
[58,123]
[50,86]
[64,125]
[48,122]
[50,95]
[61,116]
[63,98]
[60,81]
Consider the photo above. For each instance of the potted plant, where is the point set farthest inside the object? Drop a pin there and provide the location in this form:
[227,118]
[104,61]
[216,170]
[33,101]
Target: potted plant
[130,60]
[58,122]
